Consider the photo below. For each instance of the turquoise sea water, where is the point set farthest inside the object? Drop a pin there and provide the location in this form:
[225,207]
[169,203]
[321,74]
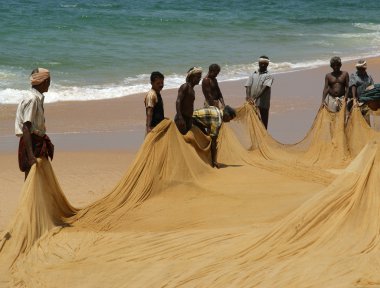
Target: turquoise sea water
[106,49]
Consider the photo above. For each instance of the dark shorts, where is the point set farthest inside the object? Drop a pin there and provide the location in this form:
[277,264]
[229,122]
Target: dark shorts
[264,114]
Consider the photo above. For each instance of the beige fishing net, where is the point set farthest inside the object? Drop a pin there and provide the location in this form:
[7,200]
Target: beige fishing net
[275,215]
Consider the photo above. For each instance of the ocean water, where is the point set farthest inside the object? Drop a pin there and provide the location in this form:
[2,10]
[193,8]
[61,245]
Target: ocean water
[106,49]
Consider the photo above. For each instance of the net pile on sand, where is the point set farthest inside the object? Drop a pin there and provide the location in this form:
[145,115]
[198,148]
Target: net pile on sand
[302,215]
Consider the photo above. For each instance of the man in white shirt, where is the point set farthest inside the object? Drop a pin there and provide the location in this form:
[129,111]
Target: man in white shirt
[30,123]
[258,89]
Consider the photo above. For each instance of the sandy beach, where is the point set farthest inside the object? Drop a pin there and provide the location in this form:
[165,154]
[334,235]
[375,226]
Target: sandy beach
[292,206]
[97,140]
[162,215]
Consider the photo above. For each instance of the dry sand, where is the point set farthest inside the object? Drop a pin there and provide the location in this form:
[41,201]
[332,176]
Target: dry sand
[276,210]
[97,140]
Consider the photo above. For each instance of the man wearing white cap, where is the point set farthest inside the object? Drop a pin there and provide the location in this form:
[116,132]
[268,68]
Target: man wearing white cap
[258,89]
[30,123]
[359,82]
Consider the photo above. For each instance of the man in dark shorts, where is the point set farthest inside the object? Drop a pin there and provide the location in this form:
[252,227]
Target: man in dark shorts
[209,120]
[154,105]
[30,123]
[185,100]
[258,89]
[336,89]
[210,87]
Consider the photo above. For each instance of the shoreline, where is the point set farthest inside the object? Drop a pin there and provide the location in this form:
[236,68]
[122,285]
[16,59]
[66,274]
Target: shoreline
[135,84]
[120,122]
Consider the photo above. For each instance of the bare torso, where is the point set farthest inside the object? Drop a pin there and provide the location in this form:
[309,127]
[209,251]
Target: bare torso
[337,83]
[187,103]
[211,91]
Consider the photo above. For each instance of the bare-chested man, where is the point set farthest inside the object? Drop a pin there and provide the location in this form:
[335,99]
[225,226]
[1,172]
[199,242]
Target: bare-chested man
[210,87]
[336,86]
[185,100]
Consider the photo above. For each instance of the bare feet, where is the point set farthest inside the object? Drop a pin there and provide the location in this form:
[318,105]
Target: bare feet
[215,164]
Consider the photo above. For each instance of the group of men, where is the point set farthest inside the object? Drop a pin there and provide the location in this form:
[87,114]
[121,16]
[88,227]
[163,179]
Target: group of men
[340,87]
[209,118]
[30,120]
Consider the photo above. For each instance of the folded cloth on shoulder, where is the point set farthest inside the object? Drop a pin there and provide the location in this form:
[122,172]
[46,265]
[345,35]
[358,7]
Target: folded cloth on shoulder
[371,95]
